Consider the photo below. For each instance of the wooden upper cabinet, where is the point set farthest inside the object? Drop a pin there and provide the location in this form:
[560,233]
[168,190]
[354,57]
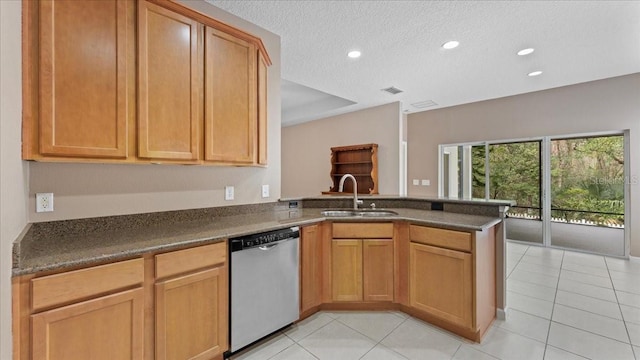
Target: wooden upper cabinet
[83,80]
[169,84]
[230,99]
[106,82]
[263,131]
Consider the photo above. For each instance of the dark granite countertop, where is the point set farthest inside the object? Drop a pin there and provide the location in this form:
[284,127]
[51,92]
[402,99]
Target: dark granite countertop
[468,201]
[60,250]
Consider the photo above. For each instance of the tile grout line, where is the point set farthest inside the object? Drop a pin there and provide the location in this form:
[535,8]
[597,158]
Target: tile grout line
[590,312]
[294,343]
[590,332]
[516,265]
[524,312]
[624,321]
[297,342]
[313,332]
[552,321]
[546,342]
[379,342]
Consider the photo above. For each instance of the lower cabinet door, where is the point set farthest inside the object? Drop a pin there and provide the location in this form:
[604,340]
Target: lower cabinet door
[310,268]
[378,269]
[106,328]
[440,283]
[346,270]
[191,316]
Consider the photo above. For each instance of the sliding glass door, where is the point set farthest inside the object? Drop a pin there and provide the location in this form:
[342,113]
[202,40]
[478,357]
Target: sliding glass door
[515,173]
[587,194]
[458,171]
[569,191]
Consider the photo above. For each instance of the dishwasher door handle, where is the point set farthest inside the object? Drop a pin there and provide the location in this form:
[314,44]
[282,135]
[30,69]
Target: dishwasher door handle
[273,244]
[267,247]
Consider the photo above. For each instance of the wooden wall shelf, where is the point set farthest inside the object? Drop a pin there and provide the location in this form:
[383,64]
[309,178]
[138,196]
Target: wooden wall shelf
[361,161]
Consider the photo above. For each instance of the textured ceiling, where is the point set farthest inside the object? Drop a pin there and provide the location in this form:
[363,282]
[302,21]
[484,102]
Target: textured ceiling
[574,41]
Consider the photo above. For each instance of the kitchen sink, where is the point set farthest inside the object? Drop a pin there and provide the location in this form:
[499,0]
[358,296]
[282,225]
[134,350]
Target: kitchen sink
[338,213]
[359,212]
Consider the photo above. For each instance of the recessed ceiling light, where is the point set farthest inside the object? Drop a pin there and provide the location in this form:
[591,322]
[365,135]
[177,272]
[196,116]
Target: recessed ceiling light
[354,54]
[534,73]
[526,51]
[450,45]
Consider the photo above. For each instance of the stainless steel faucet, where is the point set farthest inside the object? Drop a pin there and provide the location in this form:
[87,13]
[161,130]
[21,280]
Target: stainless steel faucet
[356,202]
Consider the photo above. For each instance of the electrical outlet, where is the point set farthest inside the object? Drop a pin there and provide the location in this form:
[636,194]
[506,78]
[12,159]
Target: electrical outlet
[228,192]
[265,191]
[44,202]
[426,182]
[416,182]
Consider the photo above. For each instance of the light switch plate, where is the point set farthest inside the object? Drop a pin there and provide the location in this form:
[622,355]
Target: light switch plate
[265,191]
[228,193]
[416,182]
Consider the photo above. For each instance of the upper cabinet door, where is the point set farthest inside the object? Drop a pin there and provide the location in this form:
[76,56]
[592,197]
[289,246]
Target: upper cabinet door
[83,78]
[262,110]
[169,83]
[230,99]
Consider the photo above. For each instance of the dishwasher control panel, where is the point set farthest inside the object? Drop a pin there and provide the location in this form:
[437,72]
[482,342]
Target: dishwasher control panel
[264,238]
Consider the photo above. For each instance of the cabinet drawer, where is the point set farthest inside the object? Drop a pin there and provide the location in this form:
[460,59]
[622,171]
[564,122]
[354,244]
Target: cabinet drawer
[79,284]
[362,230]
[182,261]
[451,239]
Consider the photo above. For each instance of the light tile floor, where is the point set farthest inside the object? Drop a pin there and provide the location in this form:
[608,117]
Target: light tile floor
[562,305]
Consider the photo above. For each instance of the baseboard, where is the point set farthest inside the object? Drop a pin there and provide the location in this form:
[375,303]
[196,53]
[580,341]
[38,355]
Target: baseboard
[635,259]
[501,314]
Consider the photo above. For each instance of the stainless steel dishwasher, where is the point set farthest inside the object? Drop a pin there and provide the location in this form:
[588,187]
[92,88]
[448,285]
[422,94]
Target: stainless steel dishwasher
[265,293]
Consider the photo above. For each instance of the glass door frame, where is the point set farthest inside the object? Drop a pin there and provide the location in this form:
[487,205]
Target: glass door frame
[545,196]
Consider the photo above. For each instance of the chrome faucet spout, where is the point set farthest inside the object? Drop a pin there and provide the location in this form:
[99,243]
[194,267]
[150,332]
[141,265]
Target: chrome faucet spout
[344,177]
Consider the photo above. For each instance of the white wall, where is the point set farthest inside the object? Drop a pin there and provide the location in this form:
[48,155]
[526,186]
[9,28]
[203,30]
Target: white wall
[90,190]
[306,149]
[605,105]
[13,171]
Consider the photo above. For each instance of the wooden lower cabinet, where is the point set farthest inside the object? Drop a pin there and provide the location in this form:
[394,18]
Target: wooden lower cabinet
[452,278]
[172,306]
[191,316]
[192,303]
[377,261]
[310,268]
[362,270]
[441,283]
[91,313]
[105,328]
[346,270]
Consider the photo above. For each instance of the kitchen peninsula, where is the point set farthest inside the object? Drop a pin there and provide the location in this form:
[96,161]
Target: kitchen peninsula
[71,271]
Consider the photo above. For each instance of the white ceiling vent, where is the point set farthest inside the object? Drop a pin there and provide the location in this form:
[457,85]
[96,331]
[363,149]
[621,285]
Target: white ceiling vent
[424,104]
[392,90]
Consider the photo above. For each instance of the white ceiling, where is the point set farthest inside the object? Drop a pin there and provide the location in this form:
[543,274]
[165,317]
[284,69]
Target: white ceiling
[574,41]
